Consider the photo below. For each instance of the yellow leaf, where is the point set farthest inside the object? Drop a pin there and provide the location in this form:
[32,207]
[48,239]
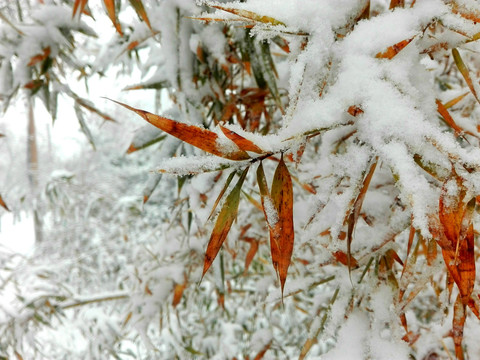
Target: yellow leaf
[249,15]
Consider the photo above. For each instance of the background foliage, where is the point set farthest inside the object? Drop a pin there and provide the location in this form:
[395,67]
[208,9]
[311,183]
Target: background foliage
[314,189]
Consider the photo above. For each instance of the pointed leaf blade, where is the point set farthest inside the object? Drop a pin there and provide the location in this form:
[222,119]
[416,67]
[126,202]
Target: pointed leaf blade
[393,50]
[203,139]
[3,204]
[251,252]
[459,317]
[240,141]
[225,187]
[282,196]
[464,71]
[357,206]
[225,219]
[248,15]
[140,9]
[110,5]
[271,217]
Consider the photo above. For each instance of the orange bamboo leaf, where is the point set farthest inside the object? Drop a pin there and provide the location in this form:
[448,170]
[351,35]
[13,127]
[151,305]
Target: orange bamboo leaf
[365,13]
[251,252]
[79,4]
[282,197]
[457,242]
[431,251]
[262,352]
[110,5]
[393,50]
[40,57]
[225,187]
[140,9]
[459,317]
[282,43]
[357,206]
[442,110]
[249,15]
[203,139]
[396,3]
[127,319]
[224,222]
[2,204]
[240,141]
[465,13]
[133,45]
[455,101]
[342,258]
[271,216]
[34,85]
[355,110]
[178,293]
[464,71]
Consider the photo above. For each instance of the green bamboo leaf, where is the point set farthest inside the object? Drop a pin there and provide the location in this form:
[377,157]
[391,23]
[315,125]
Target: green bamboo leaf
[225,219]
[225,187]
[464,71]
[83,126]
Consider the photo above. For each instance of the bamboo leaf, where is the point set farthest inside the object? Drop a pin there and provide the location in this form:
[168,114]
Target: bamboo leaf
[396,3]
[140,9]
[357,206]
[110,5]
[224,222]
[458,235]
[464,71]
[455,101]
[3,204]
[393,50]
[203,139]
[84,126]
[442,110]
[178,293]
[262,352]
[148,85]
[459,316]
[225,187]
[152,183]
[40,57]
[251,252]
[282,196]
[90,107]
[79,5]
[145,137]
[240,141]
[249,15]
